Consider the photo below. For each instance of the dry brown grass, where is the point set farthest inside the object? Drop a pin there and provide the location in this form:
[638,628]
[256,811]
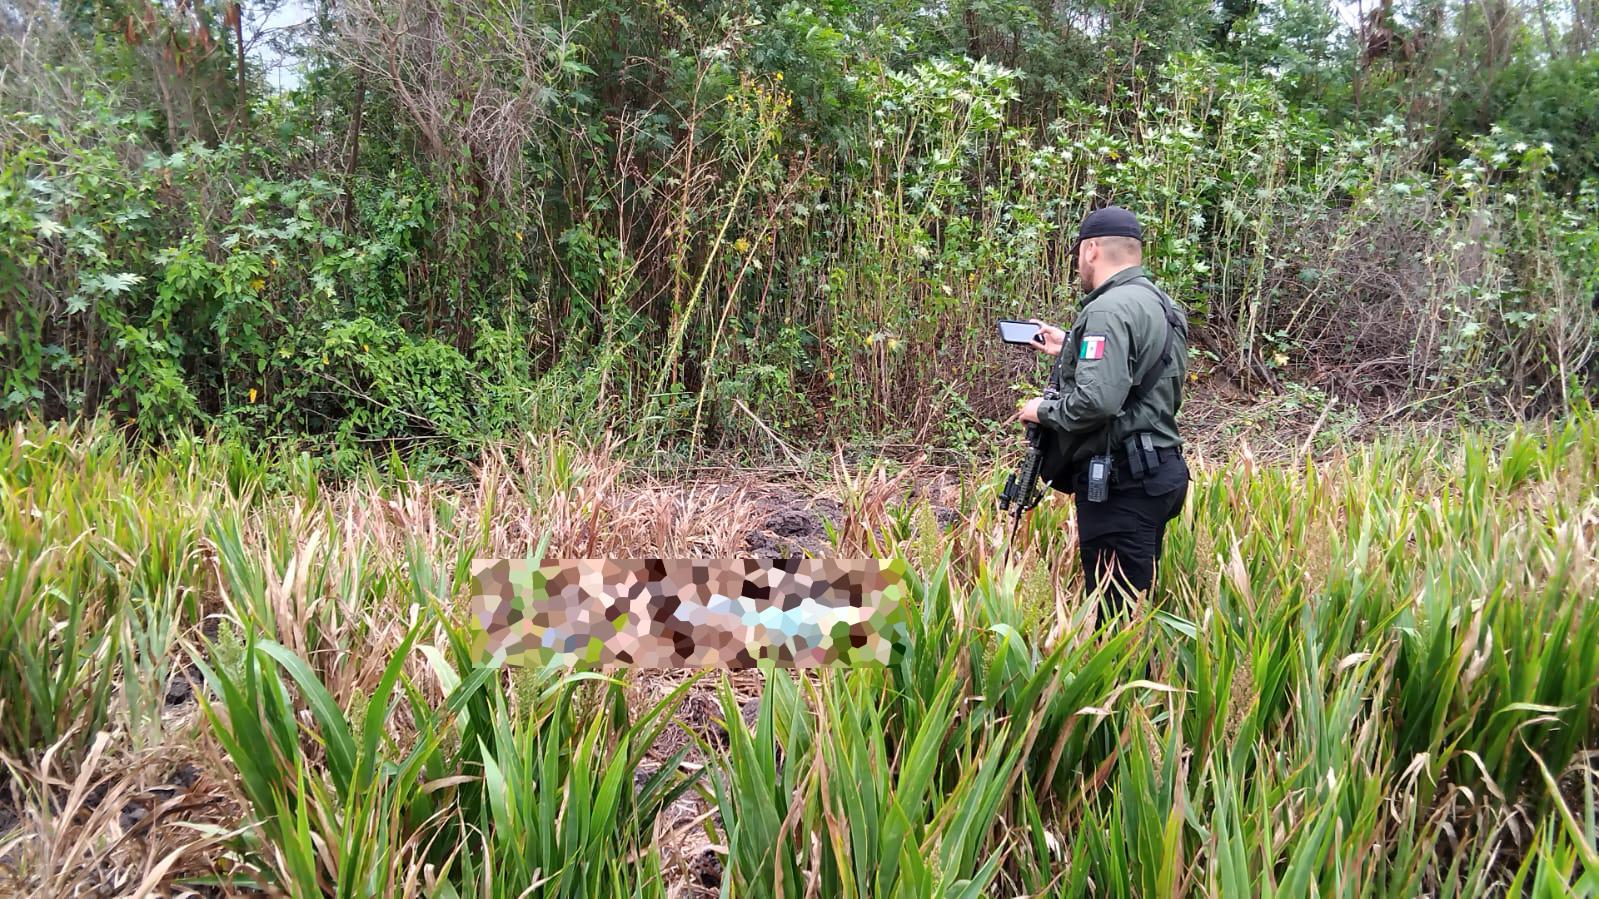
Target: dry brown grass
[119,822]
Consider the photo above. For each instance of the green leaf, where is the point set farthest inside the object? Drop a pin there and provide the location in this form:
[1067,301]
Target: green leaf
[116,284]
[335,733]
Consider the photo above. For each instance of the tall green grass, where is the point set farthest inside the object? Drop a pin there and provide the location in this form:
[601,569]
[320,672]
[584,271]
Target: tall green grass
[1371,676]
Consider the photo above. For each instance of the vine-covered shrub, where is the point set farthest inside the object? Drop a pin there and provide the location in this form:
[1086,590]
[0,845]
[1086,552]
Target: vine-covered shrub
[744,241]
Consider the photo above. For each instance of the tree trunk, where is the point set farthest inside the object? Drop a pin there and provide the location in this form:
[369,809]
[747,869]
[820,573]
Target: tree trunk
[173,141]
[1365,44]
[237,12]
[1581,34]
[354,154]
[1548,33]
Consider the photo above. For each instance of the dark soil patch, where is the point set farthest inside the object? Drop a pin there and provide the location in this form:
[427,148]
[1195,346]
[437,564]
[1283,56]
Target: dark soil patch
[180,687]
[10,803]
[705,871]
[792,525]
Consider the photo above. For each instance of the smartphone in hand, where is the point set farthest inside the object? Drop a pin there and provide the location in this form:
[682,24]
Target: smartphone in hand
[1018,332]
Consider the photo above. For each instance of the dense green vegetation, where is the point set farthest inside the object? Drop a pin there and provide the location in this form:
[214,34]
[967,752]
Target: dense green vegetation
[685,223]
[1350,688]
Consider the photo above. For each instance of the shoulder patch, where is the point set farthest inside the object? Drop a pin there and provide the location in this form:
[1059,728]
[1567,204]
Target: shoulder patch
[1091,347]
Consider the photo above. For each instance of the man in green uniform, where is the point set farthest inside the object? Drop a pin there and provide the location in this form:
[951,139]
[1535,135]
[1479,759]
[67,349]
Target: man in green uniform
[1120,387]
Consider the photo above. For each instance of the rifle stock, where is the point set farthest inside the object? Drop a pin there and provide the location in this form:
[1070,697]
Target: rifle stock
[1022,488]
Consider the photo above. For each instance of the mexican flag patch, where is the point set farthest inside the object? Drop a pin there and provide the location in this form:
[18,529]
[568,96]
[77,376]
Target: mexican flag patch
[1092,347]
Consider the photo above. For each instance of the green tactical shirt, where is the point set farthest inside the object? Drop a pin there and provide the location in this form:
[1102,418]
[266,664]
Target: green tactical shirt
[1118,336]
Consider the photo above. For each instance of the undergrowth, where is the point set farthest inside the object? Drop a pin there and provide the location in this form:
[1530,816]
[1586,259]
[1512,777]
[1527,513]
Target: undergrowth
[1372,675]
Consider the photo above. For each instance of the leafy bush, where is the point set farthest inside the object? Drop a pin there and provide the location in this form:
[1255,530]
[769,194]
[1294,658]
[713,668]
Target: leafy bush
[818,216]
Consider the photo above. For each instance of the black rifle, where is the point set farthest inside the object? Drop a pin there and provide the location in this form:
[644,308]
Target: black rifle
[1022,490]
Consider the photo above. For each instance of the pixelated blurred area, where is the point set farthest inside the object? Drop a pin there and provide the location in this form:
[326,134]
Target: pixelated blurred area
[687,613]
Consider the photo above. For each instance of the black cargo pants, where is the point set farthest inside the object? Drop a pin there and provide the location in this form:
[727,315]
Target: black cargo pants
[1121,539]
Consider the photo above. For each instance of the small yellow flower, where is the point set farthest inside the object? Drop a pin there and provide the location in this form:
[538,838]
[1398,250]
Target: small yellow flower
[252,394]
[257,283]
[741,245]
[779,76]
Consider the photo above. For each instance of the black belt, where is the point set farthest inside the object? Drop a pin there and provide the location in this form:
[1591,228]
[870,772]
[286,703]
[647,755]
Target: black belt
[1122,469]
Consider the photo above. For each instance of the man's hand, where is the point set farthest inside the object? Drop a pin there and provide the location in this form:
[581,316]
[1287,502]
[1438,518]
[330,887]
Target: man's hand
[1030,410]
[1050,339]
